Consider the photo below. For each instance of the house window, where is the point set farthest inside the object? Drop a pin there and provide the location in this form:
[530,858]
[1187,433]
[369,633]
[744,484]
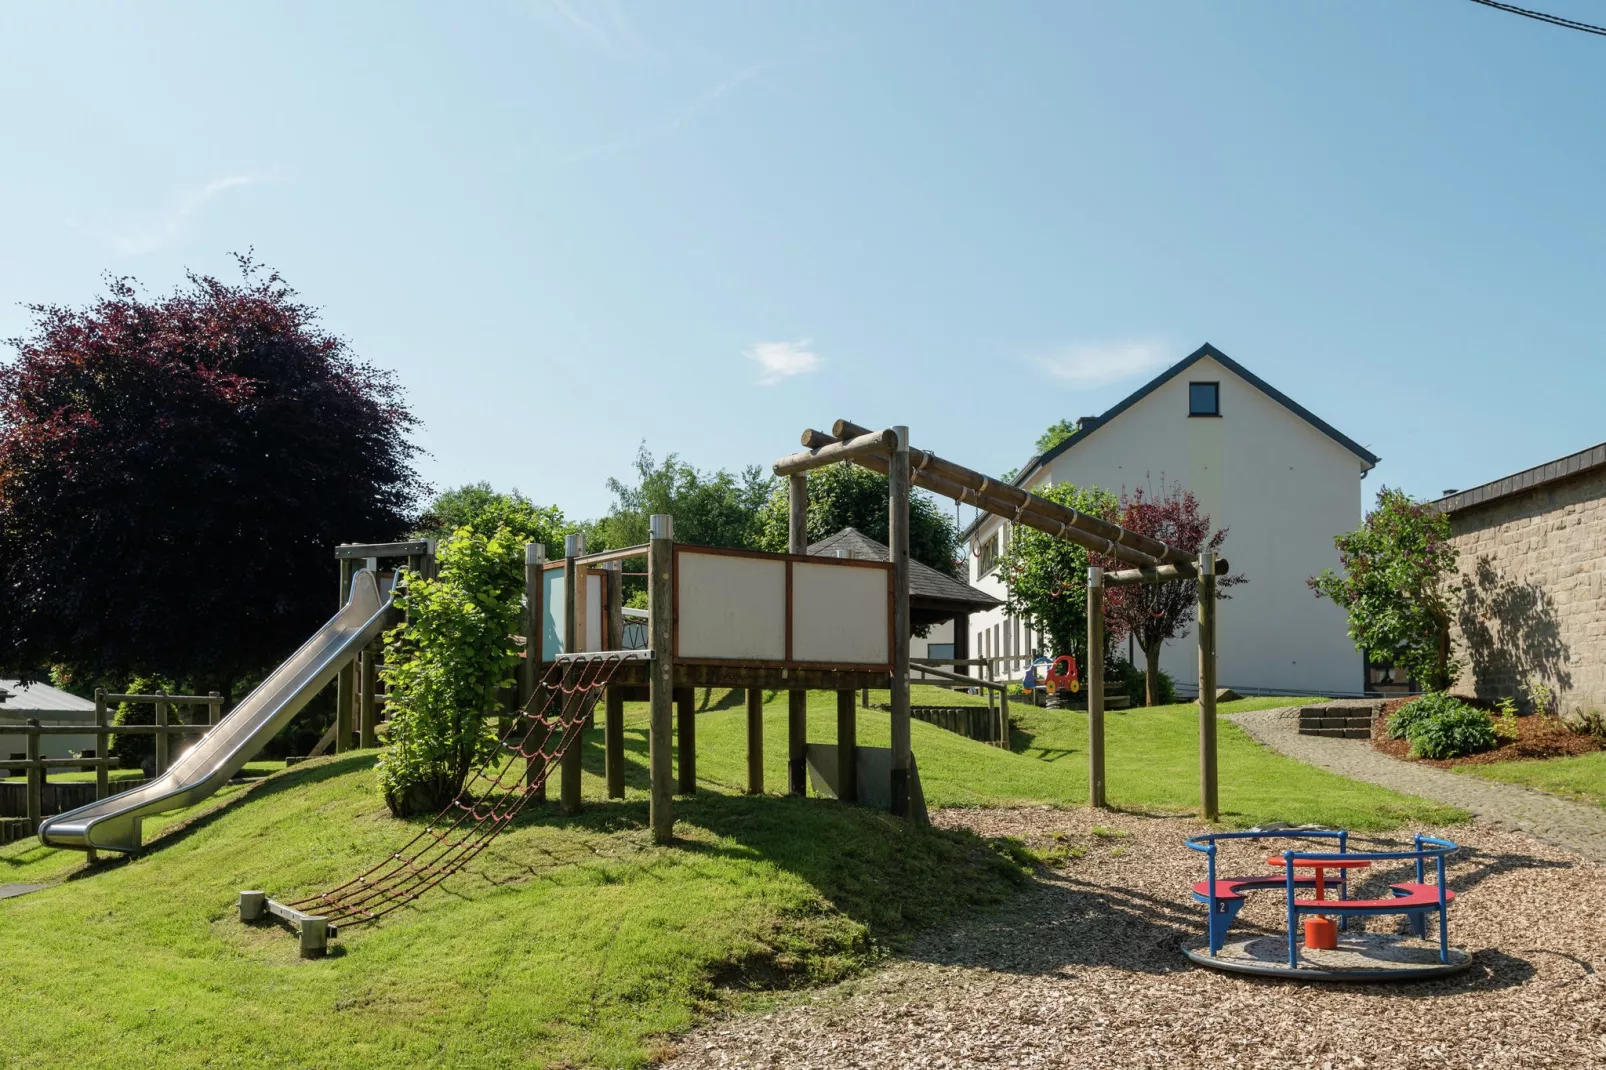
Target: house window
[987,557]
[1204,399]
[940,651]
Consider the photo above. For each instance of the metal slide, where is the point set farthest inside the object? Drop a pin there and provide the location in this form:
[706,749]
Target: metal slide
[113,824]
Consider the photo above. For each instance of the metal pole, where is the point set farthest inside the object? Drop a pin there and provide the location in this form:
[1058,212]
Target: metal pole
[1095,689]
[661,674]
[1209,803]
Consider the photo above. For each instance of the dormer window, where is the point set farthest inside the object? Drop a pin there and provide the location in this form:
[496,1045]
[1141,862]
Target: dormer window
[1204,399]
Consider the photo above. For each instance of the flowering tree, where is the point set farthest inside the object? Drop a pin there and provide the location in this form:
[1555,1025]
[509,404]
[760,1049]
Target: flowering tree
[1046,576]
[1393,586]
[174,476]
[1153,613]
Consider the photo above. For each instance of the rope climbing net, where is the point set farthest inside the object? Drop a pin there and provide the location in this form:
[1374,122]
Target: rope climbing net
[492,796]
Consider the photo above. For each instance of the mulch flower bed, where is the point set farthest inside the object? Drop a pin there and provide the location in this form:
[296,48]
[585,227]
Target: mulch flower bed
[1537,737]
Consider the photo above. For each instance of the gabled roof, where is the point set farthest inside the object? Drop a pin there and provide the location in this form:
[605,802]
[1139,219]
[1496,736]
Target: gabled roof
[16,695]
[1088,427]
[925,582]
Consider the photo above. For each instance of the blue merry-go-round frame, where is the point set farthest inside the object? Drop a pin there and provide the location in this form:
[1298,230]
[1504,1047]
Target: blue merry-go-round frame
[1415,901]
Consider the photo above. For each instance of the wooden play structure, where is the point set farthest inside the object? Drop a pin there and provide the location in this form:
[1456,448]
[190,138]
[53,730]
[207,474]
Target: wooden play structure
[731,619]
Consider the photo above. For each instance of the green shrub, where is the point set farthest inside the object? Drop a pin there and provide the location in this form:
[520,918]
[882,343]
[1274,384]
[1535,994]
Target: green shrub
[1453,734]
[1127,678]
[139,751]
[1420,709]
[445,666]
[1505,726]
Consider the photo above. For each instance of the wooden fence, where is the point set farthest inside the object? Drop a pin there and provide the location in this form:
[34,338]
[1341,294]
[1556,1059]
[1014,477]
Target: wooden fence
[37,768]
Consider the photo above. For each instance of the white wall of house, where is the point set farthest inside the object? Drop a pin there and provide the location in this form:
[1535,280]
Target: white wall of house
[1281,487]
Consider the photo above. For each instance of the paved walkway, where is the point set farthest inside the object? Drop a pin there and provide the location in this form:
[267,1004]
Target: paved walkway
[1578,827]
[11,891]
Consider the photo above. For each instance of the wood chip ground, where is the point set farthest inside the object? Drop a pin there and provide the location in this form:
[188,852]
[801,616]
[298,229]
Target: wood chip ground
[1085,971]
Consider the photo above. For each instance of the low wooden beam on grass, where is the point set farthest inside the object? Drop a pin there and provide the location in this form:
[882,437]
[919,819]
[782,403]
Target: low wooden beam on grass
[831,453]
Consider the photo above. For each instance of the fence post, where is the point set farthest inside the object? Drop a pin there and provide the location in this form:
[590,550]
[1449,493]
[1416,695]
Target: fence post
[36,779]
[214,707]
[102,745]
[161,734]
[368,709]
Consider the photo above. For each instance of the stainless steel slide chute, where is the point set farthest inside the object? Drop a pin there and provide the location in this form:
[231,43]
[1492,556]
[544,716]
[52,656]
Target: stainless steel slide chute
[113,824]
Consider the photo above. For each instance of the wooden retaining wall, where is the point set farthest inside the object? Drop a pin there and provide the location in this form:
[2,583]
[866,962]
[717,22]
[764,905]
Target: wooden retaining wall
[972,722]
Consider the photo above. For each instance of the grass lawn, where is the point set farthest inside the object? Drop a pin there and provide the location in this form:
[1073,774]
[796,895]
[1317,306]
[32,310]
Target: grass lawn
[1582,777]
[570,939]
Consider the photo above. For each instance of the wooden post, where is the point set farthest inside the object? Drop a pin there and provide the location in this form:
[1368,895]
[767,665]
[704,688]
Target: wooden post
[36,779]
[572,767]
[1003,719]
[530,671]
[369,708]
[102,746]
[1208,804]
[161,735]
[661,673]
[346,682]
[1095,689]
[755,741]
[797,707]
[898,540]
[847,743]
[962,643]
[613,742]
[214,707]
[686,738]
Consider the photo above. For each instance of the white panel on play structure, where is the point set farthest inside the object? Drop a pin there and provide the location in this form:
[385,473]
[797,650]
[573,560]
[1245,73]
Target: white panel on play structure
[590,613]
[593,621]
[840,614]
[730,606]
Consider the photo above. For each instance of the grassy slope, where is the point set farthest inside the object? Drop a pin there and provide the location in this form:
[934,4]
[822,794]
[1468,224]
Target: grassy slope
[571,939]
[1582,778]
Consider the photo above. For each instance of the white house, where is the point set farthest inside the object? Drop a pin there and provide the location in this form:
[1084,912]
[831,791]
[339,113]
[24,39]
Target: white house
[1282,481]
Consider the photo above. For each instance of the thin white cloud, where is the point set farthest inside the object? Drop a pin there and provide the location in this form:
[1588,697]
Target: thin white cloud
[1101,363]
[666,129]
[783,360]
[136,239]
[600,25]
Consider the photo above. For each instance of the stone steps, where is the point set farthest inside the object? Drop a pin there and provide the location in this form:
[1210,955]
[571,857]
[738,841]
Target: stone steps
[1350,720]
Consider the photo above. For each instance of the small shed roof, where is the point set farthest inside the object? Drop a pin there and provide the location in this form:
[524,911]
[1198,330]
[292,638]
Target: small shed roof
[928,588]
[16,695]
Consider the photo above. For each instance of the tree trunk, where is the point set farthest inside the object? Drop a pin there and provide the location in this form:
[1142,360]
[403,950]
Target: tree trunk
[1151,677]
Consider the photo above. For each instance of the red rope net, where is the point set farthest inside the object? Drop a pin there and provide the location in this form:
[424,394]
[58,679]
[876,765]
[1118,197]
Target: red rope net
[490,799]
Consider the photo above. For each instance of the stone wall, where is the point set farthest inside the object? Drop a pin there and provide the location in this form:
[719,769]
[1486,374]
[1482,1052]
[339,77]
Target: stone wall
[1533,586]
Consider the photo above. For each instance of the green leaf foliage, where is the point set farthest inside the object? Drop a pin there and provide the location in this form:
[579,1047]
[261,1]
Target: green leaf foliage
[445,666]
[1420,709]
[1047,576]
[709,509]
[1057,432]
[848,496]
[478,506]
[1392,584]
[1453,734]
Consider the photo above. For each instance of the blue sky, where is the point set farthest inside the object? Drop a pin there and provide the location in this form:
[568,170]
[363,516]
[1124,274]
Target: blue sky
[573,225]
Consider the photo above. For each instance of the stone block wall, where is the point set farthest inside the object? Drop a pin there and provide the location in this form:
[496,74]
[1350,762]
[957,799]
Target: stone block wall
[1533,586]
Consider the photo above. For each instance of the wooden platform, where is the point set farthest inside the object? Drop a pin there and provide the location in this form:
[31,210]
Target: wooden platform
[771,678]
[1358,957]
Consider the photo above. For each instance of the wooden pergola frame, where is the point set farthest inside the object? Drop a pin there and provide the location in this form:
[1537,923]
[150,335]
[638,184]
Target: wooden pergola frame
[889,453]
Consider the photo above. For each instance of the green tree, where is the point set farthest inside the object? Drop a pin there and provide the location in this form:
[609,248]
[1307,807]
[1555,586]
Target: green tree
[445,666]
[478,506]
[1057,432]
[717,509]
[1392,584]
[846,495]
[1046,576]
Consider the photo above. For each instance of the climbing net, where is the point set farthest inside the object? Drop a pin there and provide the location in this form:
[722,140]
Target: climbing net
[492,796]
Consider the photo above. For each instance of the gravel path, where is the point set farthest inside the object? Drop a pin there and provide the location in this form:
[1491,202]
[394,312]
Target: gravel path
[1578,827]
[1085,971]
